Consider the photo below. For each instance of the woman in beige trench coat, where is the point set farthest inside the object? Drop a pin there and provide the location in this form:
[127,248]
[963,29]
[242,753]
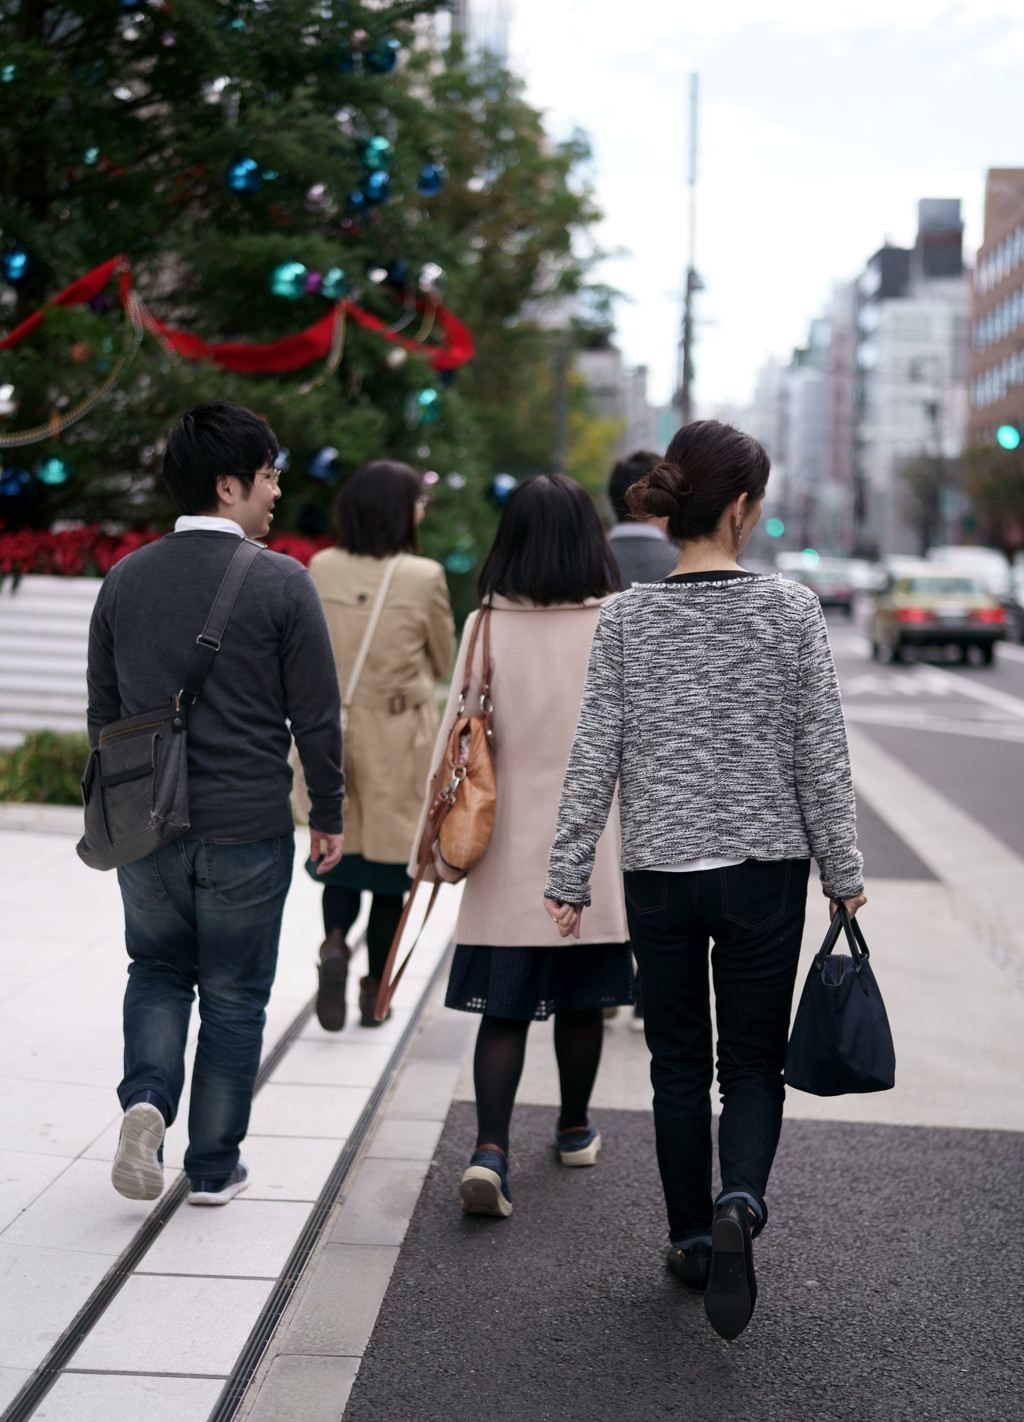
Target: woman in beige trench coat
[392,721]
[546,576]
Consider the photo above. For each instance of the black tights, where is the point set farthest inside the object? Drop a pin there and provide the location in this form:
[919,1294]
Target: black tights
[341,909]
[498,1065]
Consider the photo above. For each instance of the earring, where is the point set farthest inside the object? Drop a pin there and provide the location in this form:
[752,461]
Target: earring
[739,534]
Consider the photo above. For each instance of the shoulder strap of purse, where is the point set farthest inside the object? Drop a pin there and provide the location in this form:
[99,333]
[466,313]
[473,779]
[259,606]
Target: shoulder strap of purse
[486,706]
[371,628]
[209,640]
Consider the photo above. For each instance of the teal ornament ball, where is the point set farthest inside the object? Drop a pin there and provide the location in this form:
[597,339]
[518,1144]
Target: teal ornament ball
[459,562]
[382,57]
[53,472]
[244,176]
[335,284]
[431,180]
[428,406]
[289,279]
[377,153]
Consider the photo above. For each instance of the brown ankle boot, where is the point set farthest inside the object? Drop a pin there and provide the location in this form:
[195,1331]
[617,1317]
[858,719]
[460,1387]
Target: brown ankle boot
[368,990]
[332,979]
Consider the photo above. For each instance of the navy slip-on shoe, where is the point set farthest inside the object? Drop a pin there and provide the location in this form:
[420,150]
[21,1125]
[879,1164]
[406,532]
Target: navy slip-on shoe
[484,1186]
[732,1287]
[219,1192]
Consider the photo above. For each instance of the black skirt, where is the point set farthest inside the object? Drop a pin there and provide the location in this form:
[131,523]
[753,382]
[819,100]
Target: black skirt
[532,983]
[361,875]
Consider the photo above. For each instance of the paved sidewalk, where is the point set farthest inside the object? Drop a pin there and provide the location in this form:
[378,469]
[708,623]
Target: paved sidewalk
[172,1334]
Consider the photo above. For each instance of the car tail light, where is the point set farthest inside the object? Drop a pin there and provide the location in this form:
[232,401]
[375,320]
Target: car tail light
[914,614]
[989,616]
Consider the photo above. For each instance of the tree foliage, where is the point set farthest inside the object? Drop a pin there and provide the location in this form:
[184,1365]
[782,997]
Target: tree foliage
[994,482]
[117,129]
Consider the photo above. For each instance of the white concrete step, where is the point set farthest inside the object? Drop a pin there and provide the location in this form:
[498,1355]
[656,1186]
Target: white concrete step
[23,722]
[40,702]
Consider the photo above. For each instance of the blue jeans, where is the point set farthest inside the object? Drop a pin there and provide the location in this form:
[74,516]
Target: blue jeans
[202,914]
[754,912]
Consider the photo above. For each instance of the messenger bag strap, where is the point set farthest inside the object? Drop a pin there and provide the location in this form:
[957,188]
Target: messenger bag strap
[390,979]
[371,627]
[209,640]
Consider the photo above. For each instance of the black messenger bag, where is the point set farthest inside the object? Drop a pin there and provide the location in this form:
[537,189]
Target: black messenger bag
[135,785]
[841,1042]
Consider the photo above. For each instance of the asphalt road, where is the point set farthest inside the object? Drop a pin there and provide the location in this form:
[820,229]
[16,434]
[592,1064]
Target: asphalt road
[891,1289]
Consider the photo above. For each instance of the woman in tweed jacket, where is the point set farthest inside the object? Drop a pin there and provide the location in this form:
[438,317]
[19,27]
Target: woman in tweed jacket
[711,702]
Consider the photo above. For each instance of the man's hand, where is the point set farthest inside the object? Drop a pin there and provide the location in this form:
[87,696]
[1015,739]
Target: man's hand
[567,917]
[325,847]
[852,905]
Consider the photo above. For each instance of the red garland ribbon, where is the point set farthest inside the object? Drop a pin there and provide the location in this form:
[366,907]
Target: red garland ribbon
[271,357]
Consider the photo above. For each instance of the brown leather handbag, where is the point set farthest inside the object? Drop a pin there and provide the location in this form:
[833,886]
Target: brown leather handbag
[461,805]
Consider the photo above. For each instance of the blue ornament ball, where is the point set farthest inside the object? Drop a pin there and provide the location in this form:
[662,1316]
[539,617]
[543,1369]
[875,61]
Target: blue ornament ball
[427,404]
[459,562]
[502,486]
[324,465]
[382,57]
[244,176]
[431,180]
[17,265]
[377,186]
[14,483]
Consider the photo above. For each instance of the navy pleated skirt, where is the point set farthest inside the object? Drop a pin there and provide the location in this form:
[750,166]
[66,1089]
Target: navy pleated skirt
[533,983]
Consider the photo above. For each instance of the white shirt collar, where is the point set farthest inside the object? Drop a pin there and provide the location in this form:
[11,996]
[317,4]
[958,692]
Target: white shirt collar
[190,523]
[636,530]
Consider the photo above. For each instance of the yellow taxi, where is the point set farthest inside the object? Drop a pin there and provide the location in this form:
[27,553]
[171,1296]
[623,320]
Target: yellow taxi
[935,606]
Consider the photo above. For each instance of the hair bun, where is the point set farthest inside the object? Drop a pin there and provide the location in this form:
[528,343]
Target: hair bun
[671,479]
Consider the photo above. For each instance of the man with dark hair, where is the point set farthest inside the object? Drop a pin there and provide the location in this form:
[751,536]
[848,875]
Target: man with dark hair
[205,911]
[643,553]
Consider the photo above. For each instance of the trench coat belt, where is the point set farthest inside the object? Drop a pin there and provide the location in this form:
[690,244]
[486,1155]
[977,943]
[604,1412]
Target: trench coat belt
[400,699]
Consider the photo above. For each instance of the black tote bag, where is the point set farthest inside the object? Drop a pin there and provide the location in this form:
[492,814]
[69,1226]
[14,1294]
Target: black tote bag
[841,1042]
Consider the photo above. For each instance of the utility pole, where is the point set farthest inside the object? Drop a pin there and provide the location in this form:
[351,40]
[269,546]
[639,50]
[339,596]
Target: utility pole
[684,388]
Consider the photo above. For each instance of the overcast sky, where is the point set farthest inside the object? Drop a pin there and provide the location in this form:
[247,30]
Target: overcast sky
[822,122]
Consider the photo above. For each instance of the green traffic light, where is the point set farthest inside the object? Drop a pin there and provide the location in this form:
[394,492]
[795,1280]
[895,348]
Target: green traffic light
[1008,436]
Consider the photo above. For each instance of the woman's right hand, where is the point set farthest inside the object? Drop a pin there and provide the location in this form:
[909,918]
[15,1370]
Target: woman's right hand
[566,917]
[852,905]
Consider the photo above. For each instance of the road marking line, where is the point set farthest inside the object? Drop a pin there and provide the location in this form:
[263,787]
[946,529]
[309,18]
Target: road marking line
[983,875]
[1013,705]
[912,720]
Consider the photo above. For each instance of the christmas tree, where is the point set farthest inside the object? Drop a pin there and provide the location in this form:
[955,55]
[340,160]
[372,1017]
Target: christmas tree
[268,169]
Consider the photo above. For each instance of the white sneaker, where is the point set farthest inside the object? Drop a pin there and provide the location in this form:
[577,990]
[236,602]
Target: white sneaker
[219,1192]
[138,1171]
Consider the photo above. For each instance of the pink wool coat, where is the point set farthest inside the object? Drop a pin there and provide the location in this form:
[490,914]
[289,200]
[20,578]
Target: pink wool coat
[539,657]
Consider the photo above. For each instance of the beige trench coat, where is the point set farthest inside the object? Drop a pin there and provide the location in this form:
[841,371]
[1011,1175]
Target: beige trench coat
[393,720]
[539,657]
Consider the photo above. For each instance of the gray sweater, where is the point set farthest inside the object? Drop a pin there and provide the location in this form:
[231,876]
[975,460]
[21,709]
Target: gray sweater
[275,667]
[715,708]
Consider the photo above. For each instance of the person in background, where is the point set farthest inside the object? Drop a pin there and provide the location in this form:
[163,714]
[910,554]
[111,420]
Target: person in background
[393,718]
[642,551]
[204,912]
[712,704]
[546,578]
[644,555]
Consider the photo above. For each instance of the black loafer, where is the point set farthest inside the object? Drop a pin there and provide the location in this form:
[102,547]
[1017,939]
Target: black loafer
[332,981]
[690,1266]
[732,1288]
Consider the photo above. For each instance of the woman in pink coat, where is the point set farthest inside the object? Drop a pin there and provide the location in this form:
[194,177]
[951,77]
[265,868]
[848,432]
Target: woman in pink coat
[546,578]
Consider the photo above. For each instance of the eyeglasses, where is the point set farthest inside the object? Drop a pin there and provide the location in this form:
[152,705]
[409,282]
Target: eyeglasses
[272,476]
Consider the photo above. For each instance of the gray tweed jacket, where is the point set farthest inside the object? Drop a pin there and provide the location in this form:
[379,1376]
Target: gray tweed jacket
[714,707]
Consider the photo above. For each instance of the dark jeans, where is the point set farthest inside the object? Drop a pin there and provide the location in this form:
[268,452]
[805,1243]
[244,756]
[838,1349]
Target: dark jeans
[203,914]
[754,912]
